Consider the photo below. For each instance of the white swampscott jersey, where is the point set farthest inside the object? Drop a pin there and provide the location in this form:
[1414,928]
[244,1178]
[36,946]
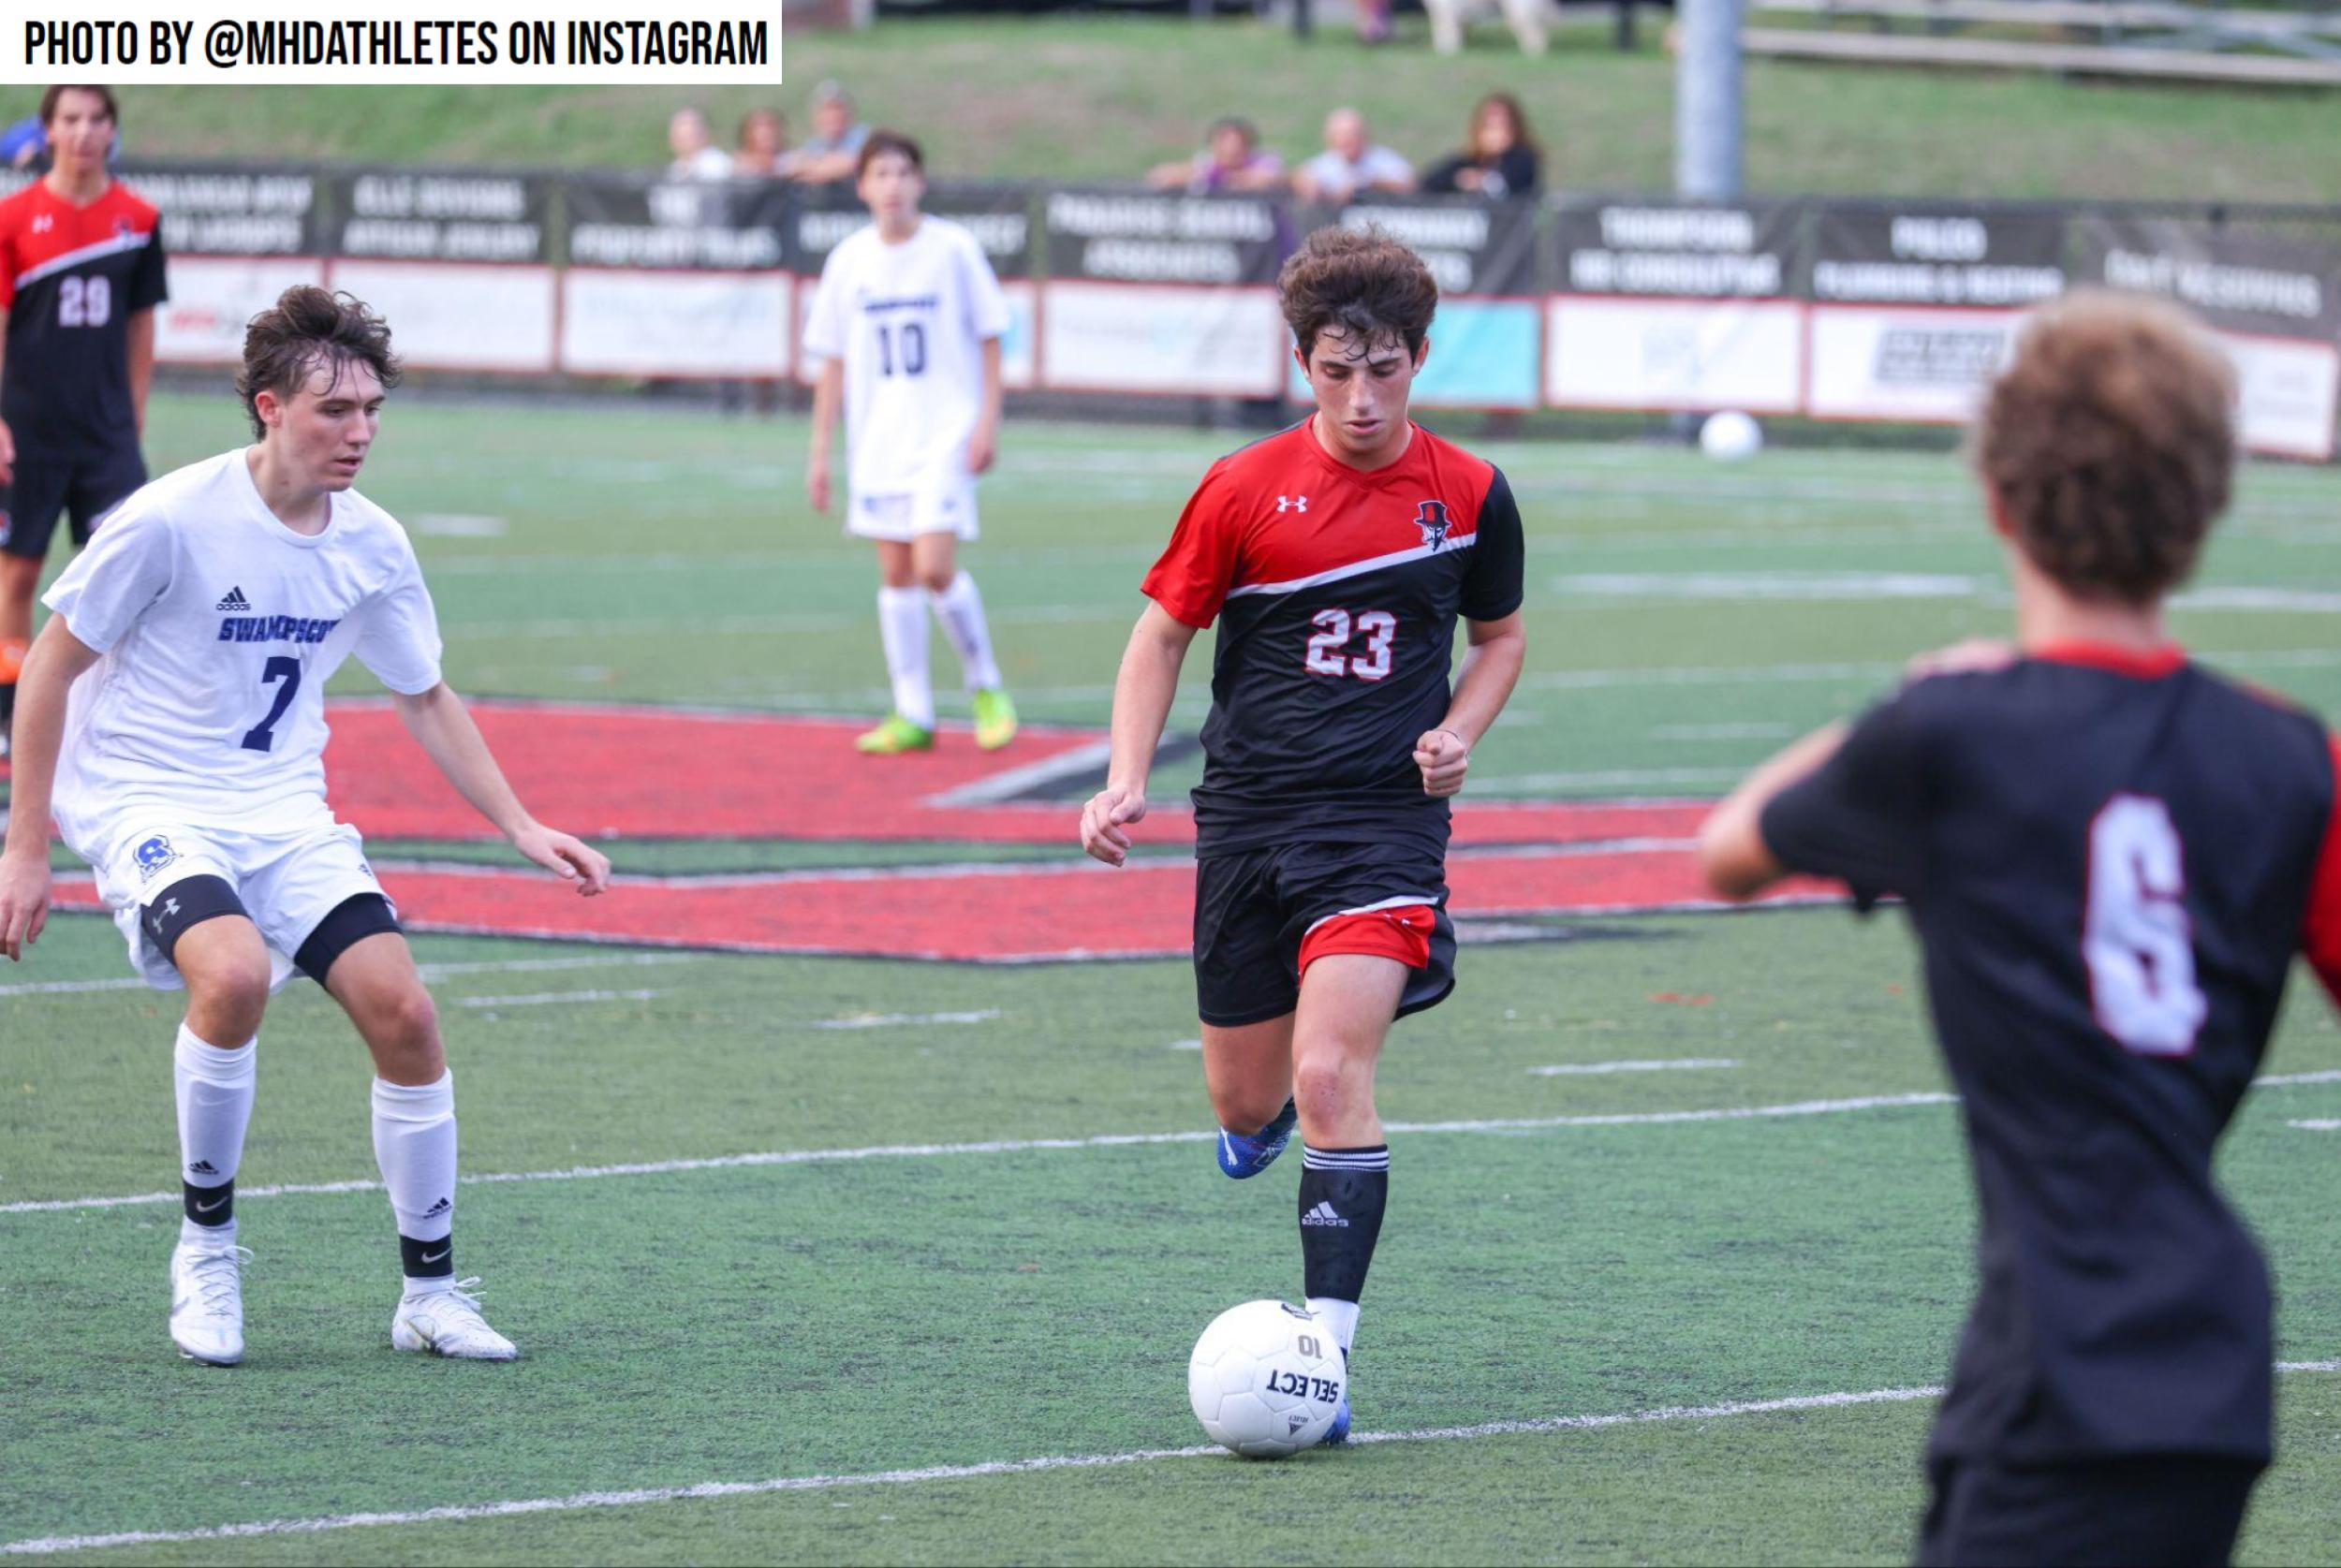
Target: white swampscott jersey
[910,321]
[219,628]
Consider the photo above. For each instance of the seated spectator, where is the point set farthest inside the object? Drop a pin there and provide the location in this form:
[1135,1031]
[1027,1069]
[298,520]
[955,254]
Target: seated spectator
[1499,158]
[1351,164]
[695,154]
[834,151]
[23,142]
[763,146]
[1232,159]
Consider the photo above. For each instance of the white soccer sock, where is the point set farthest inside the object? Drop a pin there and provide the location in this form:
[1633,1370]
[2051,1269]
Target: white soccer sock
[1339,1317]
[902,628]
[413,1143]
[960,608]
[214,1091]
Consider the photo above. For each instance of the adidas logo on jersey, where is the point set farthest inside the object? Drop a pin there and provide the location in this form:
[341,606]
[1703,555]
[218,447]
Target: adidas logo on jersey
[235,600]
[1324,1215]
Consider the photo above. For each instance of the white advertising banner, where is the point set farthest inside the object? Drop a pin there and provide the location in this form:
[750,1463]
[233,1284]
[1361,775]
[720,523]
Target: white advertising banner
[1891,362]
[213,297]
[2287,388]
[1606,351]
[451,315]
[1111,337]
[659,323]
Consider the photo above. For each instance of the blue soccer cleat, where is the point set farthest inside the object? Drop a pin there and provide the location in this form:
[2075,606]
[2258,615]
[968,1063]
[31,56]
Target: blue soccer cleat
[1244,1157]
[1338,1433]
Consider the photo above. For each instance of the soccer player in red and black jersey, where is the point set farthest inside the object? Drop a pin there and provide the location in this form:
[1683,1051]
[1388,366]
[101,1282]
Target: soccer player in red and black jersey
[80,273]
[2111,856]
[1337,558]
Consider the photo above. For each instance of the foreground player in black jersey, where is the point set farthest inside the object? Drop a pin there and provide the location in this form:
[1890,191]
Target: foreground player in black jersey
[1337,557]
[2111,856]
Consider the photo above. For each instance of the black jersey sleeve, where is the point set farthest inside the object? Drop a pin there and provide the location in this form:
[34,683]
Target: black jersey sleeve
[1857,817]
[1492,589]
[148,285]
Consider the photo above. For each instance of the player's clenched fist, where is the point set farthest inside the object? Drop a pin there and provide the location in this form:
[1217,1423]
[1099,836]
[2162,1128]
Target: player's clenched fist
[23,902]
[1444,759]
[1108,812]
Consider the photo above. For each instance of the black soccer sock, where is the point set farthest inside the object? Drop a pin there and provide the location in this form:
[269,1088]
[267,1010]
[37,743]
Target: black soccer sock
[209,1207]
[1342,1195]
[427,1260]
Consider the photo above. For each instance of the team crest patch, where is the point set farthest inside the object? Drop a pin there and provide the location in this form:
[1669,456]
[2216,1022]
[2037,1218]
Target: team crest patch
[1431,517]
[152,855]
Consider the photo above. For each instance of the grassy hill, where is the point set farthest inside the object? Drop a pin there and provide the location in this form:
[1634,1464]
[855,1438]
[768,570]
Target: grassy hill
[1102,98]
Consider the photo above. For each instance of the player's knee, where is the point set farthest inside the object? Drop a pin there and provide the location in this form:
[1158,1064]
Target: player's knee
[227,996]
[1330,1082]
[937,578]
[1245,1108]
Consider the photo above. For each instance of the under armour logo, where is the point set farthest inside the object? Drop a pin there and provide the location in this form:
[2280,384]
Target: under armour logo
[1292,503]
[43,223]
[171,906]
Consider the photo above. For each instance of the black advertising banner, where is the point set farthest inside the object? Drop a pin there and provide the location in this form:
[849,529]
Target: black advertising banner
[241,211]
[999,216]
[441,215]
[2276,300]
[1471,246]
[819,218]
[1674,306]
[724,226]
[1923,255]
[1150,237]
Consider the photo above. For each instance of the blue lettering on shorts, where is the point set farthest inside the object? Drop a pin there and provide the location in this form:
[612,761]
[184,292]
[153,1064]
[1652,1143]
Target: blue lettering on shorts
[152,855]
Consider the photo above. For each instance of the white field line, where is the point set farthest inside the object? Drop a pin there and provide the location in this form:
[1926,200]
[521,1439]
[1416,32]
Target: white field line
[1678,1065]
[889,1020]
[2322,1124]
[539,999]
[648,1496]
[430,972]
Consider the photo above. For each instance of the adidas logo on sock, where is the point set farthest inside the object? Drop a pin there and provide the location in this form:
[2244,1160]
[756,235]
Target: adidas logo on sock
[440,1208]
[203,1167]
[235,600]
[1322,1215]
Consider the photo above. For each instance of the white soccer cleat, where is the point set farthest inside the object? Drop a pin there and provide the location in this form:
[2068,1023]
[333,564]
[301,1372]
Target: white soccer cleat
[447,1322]
[206,1302]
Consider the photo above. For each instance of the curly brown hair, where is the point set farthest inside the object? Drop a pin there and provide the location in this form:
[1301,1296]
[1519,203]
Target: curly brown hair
[1361,282]
[2108,444]
[305,330]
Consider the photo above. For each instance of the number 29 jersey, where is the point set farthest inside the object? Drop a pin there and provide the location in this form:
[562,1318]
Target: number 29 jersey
[2111,860]
[70,280]
[219,627]
[1336,593]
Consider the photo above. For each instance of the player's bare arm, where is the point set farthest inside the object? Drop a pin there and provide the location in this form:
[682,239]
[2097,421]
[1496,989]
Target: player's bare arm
[7,440]
[984,446]
[140,342]
[440,723]
[57,659]
[1142,694]
[828,393]
[1484,683]
[1731,849]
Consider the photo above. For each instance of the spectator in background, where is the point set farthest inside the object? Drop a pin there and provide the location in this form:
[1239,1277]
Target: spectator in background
[695,154]
[835,152]
[1499,158]
[1232,159]
[764,152]
[23,142]
[1351,164]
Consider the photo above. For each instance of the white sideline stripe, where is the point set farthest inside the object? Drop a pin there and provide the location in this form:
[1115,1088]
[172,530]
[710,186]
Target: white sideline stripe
[578,1502]
[2323,1124]
[2289,1080]
[889,1020]
[1570,1069]
[539,999]
[1033,775]
[1007,1146]
[430,972]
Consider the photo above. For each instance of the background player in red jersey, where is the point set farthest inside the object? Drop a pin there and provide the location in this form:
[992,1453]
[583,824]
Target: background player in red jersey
[1337,557]
[2111,856]
[80,273]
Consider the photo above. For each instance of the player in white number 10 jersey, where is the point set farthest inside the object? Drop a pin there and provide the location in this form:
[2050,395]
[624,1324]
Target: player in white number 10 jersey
[171,717]
[907,320]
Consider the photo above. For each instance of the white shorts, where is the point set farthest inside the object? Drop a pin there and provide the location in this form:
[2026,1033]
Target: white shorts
[947,507]
[288,880]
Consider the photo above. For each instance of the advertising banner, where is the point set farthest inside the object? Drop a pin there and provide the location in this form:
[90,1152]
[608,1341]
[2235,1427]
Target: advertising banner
[233,211]
[440,215]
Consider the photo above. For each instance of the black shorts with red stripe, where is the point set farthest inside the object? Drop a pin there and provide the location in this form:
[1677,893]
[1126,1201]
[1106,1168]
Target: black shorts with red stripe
[1263,916]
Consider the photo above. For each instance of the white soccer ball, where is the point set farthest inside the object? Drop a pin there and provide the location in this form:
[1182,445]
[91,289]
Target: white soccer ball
[1265,1379]
[1730,435]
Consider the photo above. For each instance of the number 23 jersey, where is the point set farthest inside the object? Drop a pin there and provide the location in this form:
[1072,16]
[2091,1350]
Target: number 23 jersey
[219,627]
[1336,593]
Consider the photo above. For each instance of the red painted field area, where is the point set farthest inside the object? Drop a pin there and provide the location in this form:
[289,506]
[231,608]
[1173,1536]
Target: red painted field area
[649,773]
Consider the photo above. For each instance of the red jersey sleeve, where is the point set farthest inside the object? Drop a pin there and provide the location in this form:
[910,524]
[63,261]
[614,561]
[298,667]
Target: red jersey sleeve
[1192,580]
[2320,933]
